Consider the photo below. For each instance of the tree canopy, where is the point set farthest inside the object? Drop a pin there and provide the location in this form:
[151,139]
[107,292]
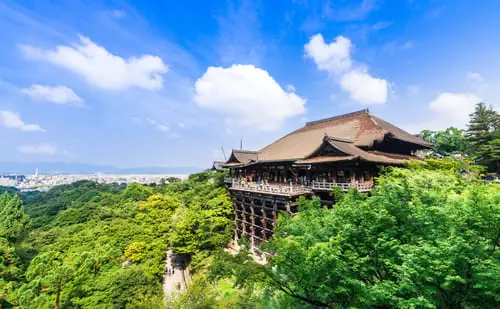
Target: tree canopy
[424,239]
[451,141]
[483,133]
[93,245]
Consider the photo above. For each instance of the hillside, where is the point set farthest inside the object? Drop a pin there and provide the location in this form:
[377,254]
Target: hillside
[427,237]
[89,245]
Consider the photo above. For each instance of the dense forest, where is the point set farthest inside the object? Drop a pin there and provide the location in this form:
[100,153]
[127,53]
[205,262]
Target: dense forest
[89,245]
[427,236]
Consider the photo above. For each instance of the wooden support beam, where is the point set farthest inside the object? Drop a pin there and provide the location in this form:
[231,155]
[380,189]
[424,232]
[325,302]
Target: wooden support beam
[252,228]
[275,218]
[235,224]
[264,223]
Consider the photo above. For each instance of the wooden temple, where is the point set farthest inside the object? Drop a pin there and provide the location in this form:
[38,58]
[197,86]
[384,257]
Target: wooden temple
[345,151]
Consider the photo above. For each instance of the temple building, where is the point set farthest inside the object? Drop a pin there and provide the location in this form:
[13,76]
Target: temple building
[345,151]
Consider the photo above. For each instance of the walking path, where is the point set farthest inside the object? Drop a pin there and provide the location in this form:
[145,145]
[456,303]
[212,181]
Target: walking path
[174,279]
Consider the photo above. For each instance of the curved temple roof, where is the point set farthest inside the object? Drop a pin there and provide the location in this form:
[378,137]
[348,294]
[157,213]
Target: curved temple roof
[240,157]
[361,127]
[347,133]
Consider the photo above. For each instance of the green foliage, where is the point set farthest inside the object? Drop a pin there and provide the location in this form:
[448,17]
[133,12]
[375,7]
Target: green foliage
[137,192]
[204,221]
[13,222]
[449,164]
[103,246]
[448,142]
[483,134]
[424,239]
[12,217]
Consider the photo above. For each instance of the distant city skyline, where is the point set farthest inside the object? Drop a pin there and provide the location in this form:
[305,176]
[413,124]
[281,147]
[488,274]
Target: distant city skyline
[132,83]
[46,182]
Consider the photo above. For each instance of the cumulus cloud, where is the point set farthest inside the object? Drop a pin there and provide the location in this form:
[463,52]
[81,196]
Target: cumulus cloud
[454,108]
[160,126]
[364,88]
[56,94]
[334,57]
[45,149]
[247,95]
[102,69]
[447,109]
[13,120]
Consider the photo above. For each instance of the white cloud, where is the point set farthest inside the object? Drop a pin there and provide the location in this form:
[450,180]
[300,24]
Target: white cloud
[334,57]
[182,125]
[447,110]
[102,69]
[13,120]
[290,88]
[364,88]
[160,126]
[38,149]
[247,95]
[453,109]
[57,94]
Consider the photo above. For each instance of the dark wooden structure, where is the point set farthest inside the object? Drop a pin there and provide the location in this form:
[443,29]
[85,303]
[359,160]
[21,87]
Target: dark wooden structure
[345,151]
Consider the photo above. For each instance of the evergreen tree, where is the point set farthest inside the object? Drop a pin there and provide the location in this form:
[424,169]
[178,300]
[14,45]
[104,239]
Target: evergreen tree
[483,133]
[12,218]
[4,199]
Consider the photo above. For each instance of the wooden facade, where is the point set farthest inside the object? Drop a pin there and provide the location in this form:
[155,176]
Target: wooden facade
[346,151]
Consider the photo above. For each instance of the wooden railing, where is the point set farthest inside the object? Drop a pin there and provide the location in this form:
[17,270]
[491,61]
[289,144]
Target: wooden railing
[326,186]
[291,189]
[280,189]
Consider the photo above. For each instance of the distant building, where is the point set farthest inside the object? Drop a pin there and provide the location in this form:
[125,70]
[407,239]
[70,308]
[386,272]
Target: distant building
[345,151]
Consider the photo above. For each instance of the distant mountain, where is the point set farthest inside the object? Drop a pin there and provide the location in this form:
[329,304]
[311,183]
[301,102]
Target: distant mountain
[83,168]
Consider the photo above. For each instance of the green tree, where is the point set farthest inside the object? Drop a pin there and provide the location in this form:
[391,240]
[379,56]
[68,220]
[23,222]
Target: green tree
[50,272]
[483,133]
[448,142]
[12,217]
[424,239]
[137,192]
[12,224]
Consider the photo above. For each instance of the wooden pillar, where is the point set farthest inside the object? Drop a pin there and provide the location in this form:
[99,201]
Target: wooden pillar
[244,218]
[235,203]
[275,210]
[264,221]
[252,227]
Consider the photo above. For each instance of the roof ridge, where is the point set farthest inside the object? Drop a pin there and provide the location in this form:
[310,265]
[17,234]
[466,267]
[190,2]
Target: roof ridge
[360,112]
[247,151]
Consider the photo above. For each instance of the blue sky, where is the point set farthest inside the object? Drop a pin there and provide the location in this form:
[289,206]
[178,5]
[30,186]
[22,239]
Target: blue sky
[142,83]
